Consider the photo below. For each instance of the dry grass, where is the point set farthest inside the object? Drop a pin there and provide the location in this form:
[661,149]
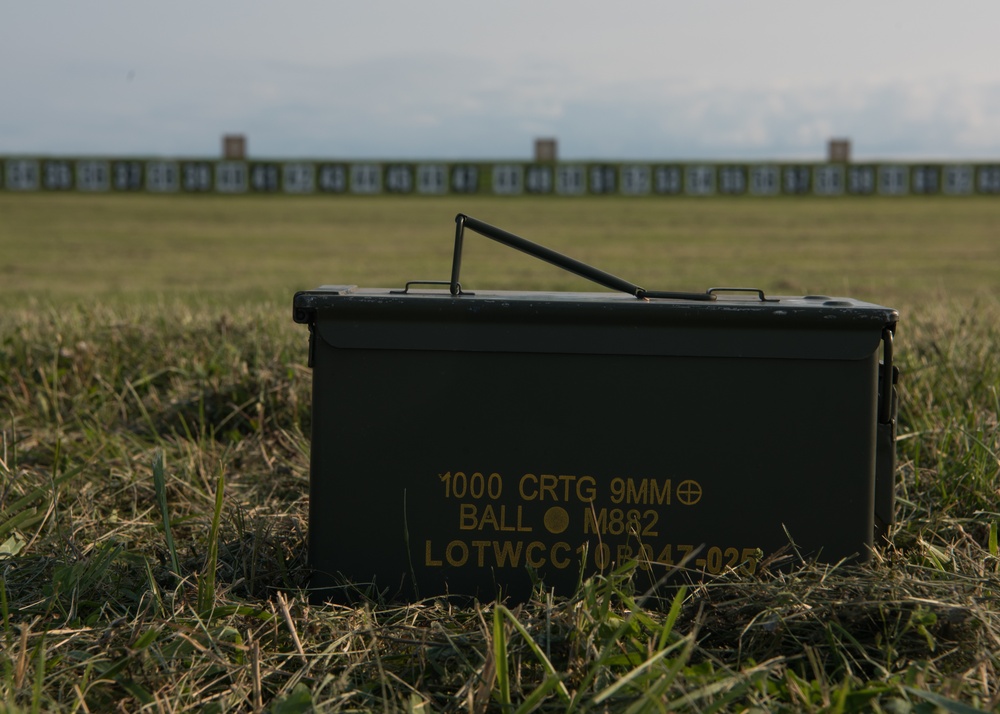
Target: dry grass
[126,586]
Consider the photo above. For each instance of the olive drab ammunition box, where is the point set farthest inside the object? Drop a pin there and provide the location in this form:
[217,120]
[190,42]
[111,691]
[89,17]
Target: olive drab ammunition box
[477,443]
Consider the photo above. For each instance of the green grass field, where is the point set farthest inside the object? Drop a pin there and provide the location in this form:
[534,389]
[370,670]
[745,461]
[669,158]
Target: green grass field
[889,250]
[155,412]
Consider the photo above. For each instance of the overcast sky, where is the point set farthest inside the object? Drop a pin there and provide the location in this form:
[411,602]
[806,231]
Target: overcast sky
[719,79]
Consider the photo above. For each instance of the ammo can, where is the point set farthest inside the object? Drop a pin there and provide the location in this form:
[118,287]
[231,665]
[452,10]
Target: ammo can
[480,443]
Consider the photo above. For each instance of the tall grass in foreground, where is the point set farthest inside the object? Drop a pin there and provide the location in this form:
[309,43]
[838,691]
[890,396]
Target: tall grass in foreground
[131,579]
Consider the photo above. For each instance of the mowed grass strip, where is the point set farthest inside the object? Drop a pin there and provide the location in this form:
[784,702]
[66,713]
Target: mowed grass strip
[908,251]
[141,392]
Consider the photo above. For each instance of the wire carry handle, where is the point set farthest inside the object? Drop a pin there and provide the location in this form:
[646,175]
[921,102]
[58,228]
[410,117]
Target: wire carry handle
[572,265]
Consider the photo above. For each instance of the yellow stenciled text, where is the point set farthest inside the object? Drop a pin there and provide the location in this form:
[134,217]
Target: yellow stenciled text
[473,518]
[498,554]
[565,487]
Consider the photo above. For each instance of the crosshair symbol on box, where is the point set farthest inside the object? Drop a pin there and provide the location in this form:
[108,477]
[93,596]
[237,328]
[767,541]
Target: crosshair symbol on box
[689,492]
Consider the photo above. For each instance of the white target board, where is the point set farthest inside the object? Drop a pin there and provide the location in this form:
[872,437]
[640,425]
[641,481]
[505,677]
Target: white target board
[332,178]
[399,178]
[668,180]
[366,179]
[893,180]
[432,179]
[162,177]
[231,177]
[508,179]
[861,180]
[602,179]
[829,180]
[21,175]
[92,175]
[732,180]
[298,177]
[958,180]
[465,178]
[699,180]
[925,179]
[264,178]
[126,175]
[196,176]
[635,180]
[570,180]
[796,179]
[989,179]
[57,175]
[765,180]
[538,179]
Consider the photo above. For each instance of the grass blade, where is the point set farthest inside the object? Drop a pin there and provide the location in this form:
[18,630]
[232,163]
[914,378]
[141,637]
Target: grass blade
[731,688]
[660,686]
[160,484]
[39,683]
[532,701]
[627,679]
[500,657]
[675,611]
[19,518]
[5,611]
[206,583]
[941,701]
[543,660]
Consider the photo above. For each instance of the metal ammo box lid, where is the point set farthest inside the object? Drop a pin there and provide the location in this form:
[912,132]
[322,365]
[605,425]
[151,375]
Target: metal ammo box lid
[475,443]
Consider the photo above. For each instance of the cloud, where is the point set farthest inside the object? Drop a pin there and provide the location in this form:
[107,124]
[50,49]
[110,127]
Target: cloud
[431,104]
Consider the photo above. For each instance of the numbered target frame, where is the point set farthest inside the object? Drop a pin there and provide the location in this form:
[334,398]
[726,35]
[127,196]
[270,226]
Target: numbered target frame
[127,175]
[765,180]
[93,175]
[501,178]
[958,180]
[57,175]
[298,177]
[399,178]
[796,179]
[231,177]
[264,177]
[366,179]
[432,179]
[507,179]
[464,178]
[539,179]
[636,180]
[699,180]
[988,179]
[893,180]
[828,179]
[571,179]
[668,180]
[732,180]
[21,175]
[925,180]
[196,176]
[861,180]
[331,178]
[163,177]
[602,179]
